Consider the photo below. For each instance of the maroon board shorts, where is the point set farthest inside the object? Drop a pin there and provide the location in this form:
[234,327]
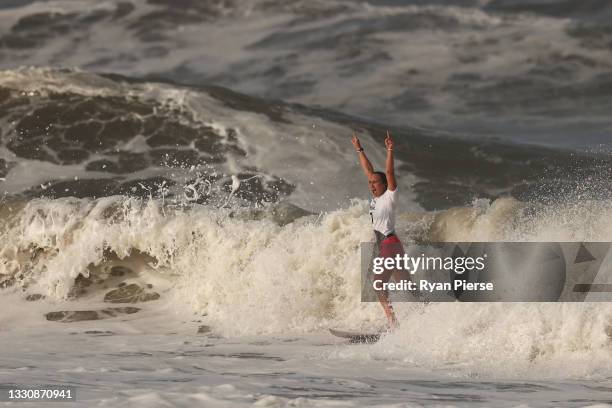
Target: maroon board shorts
[390,247]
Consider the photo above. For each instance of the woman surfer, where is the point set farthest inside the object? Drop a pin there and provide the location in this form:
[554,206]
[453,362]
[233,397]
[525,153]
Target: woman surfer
[382,211]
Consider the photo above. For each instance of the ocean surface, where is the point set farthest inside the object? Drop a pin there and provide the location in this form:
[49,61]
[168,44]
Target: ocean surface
[181,208]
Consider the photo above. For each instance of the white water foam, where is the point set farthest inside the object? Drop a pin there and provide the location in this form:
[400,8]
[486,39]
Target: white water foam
[255,277]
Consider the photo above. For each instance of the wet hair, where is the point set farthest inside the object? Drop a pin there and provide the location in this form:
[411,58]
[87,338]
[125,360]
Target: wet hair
[383,177]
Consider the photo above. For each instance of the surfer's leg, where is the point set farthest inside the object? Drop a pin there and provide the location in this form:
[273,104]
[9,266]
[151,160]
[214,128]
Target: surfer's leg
[388,249]
[383,298]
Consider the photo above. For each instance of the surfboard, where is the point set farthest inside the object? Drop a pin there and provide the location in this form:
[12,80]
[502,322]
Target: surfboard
[355,337]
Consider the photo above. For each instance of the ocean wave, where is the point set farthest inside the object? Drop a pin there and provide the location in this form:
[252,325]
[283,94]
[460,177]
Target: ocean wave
[135,186]
[283,270]
[503,68]
[73,133]
[251,253]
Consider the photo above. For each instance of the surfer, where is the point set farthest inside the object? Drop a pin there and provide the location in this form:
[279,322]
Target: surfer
[382,211]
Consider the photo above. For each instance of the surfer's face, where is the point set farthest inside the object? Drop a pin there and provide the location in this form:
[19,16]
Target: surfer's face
[377,186]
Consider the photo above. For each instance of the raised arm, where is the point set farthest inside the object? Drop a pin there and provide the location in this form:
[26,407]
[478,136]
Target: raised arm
[391,183]
[363,159]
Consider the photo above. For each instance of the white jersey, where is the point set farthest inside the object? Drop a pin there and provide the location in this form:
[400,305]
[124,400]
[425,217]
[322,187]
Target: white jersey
[382,211]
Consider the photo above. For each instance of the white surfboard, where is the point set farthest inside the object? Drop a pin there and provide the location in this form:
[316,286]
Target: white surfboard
[356,337]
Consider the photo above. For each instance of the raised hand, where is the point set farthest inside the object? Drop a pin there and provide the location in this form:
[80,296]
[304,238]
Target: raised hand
[391,182]
[363,160]
[389,141]
[356,143]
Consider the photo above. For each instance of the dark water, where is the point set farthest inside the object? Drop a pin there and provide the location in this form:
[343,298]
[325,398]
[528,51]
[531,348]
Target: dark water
[462,85]
[117,136]
[525,71]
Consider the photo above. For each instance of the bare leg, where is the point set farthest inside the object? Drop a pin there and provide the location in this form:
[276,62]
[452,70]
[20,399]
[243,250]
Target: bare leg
[383,298]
